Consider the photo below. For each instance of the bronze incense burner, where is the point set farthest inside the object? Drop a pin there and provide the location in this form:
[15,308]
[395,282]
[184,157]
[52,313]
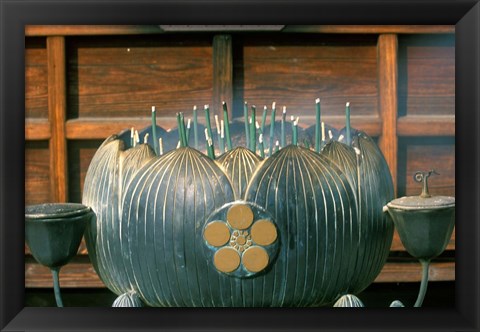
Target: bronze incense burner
[301,226]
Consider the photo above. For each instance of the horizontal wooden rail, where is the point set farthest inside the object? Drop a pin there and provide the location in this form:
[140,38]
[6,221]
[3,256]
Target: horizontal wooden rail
[82,274]
[82,30]
[37,129]
[400,29]
[79,30]
[101,128]
[415,125]
[98,128]
[412,272]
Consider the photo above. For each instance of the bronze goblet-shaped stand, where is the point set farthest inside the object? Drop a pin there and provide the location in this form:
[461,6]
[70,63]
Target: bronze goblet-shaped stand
[53,232]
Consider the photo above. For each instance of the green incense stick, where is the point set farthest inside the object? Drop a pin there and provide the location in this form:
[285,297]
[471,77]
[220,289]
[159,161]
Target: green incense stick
[347,124]
[272,128]
[207,120]
[209,144]
[227,125]
[132,136]
[188,131]
[253,142]
[154,131]
[260,146]
[264,118]
[294,130]
[181,130]
[317,125]
[219,139]
[282,128]
[195,127]
[222,135]
[247,130]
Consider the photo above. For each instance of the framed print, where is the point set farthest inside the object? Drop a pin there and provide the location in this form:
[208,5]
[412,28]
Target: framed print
[405,75]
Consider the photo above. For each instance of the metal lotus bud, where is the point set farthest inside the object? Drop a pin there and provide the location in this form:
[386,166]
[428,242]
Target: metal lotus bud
[314,208]
[239,164]
[128,300]
[349,301]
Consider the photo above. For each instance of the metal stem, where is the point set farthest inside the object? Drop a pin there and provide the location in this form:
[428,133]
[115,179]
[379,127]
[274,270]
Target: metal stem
[424,283]
[56,286]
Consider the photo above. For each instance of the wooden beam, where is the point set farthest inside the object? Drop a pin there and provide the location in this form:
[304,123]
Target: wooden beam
[57,116]
[222,73]
[426,125]
[101,128]
[79,30]
[37,129]
[375,29]
[90,30]
[387,49]
[412,272]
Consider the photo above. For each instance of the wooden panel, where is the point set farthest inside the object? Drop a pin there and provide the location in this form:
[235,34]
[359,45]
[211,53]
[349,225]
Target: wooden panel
[56,116]
[294,71]
[80,153]
[124,77]
[370,28]
[37,174]
[422,154]
[427,75]
[36,87]
[387,85]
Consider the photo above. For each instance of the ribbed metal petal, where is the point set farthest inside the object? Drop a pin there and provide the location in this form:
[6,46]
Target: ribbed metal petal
[239,164]
[314,209]
[375,190]
[368,173]
[344,157]
[108,174]
[164,211]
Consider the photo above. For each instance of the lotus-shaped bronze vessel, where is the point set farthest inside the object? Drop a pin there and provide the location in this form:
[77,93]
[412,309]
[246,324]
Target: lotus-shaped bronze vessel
[298,228]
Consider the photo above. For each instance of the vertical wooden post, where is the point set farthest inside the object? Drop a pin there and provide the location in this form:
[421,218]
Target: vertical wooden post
[222,73]
[57,118]
[387,51]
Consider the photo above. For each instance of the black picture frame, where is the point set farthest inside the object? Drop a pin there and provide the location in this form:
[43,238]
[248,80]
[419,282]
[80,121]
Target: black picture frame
[16,14]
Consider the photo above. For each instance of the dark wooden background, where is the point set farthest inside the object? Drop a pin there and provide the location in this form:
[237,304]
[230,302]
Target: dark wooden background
[84,83]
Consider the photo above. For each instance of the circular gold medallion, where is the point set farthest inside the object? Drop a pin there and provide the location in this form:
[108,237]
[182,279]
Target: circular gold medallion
[226,260]
[255,259]
[240,216]
[264,232]
[216,233]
